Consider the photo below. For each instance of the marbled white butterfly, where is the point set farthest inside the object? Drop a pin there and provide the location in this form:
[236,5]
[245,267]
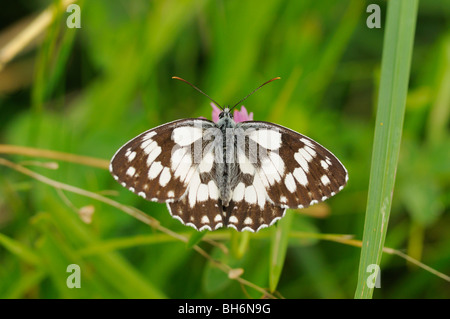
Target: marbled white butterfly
[226,174]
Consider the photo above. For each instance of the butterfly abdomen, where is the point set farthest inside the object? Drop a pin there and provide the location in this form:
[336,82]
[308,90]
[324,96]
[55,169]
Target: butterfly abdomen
[226,167]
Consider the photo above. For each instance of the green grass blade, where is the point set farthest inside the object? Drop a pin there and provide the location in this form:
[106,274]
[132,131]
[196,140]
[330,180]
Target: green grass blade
[239,243]
[25,284]
[395,67]
[278,247]
[195,238]
[20,250]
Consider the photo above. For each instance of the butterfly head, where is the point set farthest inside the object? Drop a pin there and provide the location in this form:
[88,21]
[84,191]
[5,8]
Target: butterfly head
[226,119]
[226,113]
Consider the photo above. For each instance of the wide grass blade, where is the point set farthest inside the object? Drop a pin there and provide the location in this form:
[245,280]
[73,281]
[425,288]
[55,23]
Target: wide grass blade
[278,247]
[395,68]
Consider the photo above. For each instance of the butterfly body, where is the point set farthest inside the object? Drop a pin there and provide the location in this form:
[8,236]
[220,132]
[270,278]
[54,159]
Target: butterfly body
[226,170]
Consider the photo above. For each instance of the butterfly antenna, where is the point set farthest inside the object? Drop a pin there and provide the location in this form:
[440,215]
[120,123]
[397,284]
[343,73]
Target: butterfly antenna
[178,78]
[277,78]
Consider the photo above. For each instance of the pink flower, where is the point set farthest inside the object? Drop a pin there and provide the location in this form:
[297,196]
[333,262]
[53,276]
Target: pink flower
[215,112]
[242,115]
[239,116]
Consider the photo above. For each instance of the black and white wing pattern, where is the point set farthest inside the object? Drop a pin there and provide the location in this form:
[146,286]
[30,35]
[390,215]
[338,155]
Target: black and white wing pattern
[240,175]
[278,169]
[173,163]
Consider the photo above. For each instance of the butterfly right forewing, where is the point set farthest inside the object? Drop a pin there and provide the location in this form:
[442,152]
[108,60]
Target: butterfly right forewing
[295,170]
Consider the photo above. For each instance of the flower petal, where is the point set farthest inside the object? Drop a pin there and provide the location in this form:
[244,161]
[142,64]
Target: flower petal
[237,116]
[242,115]
[215,113]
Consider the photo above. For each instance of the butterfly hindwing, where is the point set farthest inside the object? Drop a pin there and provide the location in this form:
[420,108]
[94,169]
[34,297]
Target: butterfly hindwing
[201,207]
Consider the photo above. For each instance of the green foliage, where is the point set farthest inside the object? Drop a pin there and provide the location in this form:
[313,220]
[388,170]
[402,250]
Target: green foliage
[92,89]
[395,67]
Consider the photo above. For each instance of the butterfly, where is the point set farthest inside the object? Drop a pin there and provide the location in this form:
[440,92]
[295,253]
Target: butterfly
[226,174]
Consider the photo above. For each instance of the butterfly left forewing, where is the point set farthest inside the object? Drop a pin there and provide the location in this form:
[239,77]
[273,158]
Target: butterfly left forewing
[159,163]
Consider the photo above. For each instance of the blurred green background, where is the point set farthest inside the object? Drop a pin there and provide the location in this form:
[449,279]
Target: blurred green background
[87,91]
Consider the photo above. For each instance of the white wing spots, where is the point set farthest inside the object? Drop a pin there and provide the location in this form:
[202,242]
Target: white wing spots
[142,194]
[116,177]
[186,135]
[202,193]
[238,193]
[307,142]
[283,199]
[263,178]
[261,227]
[145,143]
[148,135]
[276,218]
[132,189]
[213,190]
[313,202]
[248,221]
[191,172]
[278,162]
[130,171]
[302,161]
[303,152]
[248,228]
[325,180]
[324,164]
[154,170]
[269,139]
[323,198]
[183,169]
[148,146]
[206,163]
[244,164]
[327,159]
[218,218]
[250,195]
[165,176]
[170,194]
[260,191]
[310,151]
[300,176]
[204,220]
[270,171]
[131,156]
[176,158]
[290,183]
[153,155]
[204,228]
[233,219]
[193,187]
